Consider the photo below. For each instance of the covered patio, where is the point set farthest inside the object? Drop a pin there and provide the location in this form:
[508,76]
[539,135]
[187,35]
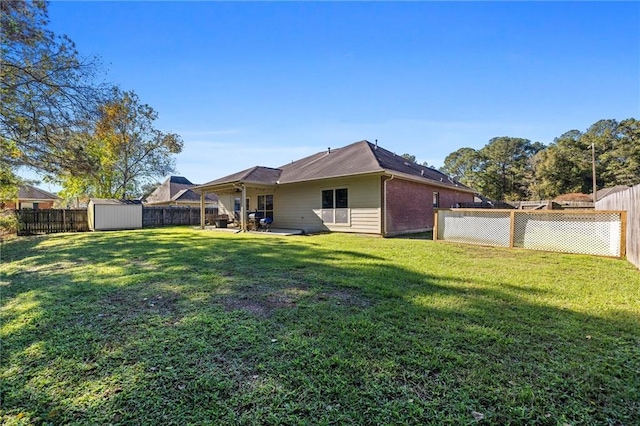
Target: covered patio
[249,191]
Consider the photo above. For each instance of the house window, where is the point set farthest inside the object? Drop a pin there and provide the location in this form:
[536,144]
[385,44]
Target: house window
[335,206]
[265,205]
[436,200]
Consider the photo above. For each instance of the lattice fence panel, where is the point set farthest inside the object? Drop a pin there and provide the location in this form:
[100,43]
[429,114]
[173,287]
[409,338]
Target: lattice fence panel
[489,227]
[591,233]
[598,233]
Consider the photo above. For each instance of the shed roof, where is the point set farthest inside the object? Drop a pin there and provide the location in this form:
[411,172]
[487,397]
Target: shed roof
[114,202]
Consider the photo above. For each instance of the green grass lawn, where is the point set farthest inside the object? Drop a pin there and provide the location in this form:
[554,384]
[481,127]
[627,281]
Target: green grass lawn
[181,326]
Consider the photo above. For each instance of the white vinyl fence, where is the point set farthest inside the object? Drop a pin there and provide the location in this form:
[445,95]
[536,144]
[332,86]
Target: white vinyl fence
[586,232]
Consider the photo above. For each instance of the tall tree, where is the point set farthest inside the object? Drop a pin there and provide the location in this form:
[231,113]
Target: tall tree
[409,157]
[507,167]
[619,157]
[126,149]
[565,166]
[46,92]
[464,165]
[412,158]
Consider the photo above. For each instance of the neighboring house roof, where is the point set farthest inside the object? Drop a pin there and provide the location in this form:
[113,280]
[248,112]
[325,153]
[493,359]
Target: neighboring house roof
[31,193]
[601,193]
[177,189]
[355,159]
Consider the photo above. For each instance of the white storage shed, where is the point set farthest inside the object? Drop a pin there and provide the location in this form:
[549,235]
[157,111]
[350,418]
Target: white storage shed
[108,214]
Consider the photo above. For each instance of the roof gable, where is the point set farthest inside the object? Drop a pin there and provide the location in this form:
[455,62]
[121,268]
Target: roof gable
[353,159]
[168,189]
[257,174]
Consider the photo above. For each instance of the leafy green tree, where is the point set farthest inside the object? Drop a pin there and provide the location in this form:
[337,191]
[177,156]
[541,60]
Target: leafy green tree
[563,167]
[9,182]
[46,90]
[507,167]
[412,158]
[126,150]
[566,165]
[464,165]
[620,159]
[409,157]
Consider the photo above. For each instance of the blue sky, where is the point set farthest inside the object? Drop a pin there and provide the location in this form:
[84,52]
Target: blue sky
[266,83]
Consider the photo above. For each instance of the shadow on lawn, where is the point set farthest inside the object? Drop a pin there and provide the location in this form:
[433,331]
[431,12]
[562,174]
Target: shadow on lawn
[187,327]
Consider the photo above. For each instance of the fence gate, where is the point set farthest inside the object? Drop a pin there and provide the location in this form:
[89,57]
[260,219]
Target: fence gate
[587,232]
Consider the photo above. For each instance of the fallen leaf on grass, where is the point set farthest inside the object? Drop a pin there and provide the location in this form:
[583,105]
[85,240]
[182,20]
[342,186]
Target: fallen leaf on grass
[477,416]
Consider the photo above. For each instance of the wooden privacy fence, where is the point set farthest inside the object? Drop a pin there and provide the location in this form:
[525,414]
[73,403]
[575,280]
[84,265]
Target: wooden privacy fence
[587,232]
[49,221]
[165,216]
[628,200]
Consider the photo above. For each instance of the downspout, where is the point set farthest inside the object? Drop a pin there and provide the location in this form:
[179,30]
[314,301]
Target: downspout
[243,208]
[384,225]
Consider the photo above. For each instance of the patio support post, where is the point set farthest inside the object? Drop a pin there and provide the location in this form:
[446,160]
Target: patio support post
[243,209]
[202,217]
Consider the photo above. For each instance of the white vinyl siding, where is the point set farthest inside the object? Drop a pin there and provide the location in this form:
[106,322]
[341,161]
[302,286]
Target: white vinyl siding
[299,205]
[225,203]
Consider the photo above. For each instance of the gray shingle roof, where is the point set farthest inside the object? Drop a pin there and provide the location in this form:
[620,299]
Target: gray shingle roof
[257,174]
[30,192]
[355,159]
[176,188]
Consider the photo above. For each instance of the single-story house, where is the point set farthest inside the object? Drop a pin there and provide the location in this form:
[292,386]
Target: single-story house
[360,188]
[176,191]
[30,197]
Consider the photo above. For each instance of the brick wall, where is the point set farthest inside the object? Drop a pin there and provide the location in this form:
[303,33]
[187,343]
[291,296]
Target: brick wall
[410,204]
[11,205]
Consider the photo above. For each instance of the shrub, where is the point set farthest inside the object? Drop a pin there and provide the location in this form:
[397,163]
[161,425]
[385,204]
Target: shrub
[8,222]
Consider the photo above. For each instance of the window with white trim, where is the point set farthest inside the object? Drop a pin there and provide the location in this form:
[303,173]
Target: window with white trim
[265,205]
[335,206]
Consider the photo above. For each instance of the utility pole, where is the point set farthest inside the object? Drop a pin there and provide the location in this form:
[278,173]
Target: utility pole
[593,169]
